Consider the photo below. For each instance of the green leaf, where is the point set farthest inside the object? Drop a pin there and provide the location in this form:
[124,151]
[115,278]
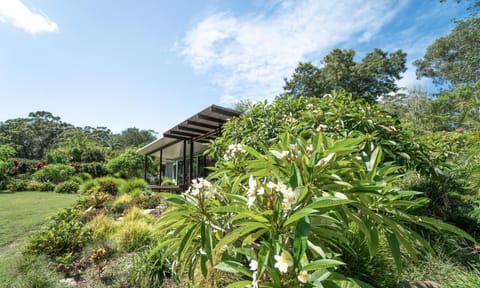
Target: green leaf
[322,264]
[233,267]
[239,284]
[395,248]
[298,215]
[301,237]
[328,202]
[447,227]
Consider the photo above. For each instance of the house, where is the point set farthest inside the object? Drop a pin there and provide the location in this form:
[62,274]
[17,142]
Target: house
[181,148]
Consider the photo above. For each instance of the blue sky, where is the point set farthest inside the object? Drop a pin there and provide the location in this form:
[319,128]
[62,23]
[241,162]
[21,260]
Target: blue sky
[151,64]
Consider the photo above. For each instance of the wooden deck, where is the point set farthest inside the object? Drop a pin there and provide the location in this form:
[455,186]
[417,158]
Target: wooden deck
[168,188]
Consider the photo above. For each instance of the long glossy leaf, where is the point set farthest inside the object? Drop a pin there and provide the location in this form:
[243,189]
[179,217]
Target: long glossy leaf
[328,202]
[298,215]
[233,267]
[239,284]
[322,264]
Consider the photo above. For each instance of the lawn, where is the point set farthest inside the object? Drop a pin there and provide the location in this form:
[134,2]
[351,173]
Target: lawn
[20,213]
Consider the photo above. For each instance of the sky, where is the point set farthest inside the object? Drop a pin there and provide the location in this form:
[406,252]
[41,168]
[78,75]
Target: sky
[151,64]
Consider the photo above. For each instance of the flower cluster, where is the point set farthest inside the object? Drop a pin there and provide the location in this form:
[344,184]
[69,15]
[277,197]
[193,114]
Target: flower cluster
[253,267]
[288,195]
[253,191]
[232,151]
[200,187]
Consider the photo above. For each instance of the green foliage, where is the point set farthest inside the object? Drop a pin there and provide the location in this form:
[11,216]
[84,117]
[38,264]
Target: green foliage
[64,234]
[133,184]
[92,154]
[454,58]
[134,137]
[134,235]
[6,152]
[148,271]
[57,157]
[17,185]
[55,173]
[95,169]
[103,227]
[46,187]
[67,187]
[128,164]
[167,181]
[374,76]
[285,210]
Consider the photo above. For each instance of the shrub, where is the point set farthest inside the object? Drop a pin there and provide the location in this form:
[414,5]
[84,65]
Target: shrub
[134,235]
[129,164]
[148,201]
[64,234]
[132,184]
[148,271]
[57,157]
[18,185]
[96,169]
[121,203]
[89,187]
[102,227]
[285,211]
[137,214]
[55,173]
[46,187]
[92,154]
[84,176]
[67,187]
[33,186]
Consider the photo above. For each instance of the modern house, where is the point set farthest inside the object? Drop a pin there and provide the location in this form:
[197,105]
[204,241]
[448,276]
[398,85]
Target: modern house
[181,148]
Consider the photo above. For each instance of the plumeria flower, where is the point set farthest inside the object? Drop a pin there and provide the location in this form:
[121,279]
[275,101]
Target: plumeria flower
[283,261]
[253,265]
[302,276]
[288,199]
[232,151]
[253,191]
[201,186]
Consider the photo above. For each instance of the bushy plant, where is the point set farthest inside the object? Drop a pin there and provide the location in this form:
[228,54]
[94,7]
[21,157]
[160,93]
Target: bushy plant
[95,169]
[33,186]
[167,182]
[92,154]
[57,157]
[64,234]
[128,164]
[148,270]
[134,235]
[84,176]
[89,187]
[148,201]
[102,226]
[55,173]
[18,185]
[280,216]
[121,203]
[133,184]
[46,187]
[70,186]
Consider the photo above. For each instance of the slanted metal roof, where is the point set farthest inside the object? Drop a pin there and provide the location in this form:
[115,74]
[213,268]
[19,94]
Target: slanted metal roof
[202,126]
[199,128]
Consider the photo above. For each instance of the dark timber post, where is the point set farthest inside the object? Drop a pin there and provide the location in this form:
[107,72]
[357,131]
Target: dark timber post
[145,169]
[184,164]
[191,162]
[160,168]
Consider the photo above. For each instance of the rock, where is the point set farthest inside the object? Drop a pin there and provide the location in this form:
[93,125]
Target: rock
[68,282]
[424,284]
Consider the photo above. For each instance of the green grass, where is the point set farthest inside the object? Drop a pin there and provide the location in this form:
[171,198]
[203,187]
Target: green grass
[20,213]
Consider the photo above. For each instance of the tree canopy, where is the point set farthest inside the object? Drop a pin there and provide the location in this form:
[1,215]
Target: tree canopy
[455,58]
[369,79]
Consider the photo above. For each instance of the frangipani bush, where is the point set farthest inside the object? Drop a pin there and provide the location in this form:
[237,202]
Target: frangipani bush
[278,217]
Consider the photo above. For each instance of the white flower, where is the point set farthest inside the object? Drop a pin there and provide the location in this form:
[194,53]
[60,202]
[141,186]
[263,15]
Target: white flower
[232,151]
[283,261]
[253,265]
[201,186]
[288,199]
[309,149]
[302,276]
[310,106]
[322,127]
[250,201]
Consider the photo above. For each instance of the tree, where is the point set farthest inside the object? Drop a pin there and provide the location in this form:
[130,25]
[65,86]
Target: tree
[128,164]
[455,58]
[369,79]
[134,137]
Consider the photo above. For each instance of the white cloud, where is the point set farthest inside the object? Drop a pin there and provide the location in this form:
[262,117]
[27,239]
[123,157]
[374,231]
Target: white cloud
[15,12]
[250,56]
